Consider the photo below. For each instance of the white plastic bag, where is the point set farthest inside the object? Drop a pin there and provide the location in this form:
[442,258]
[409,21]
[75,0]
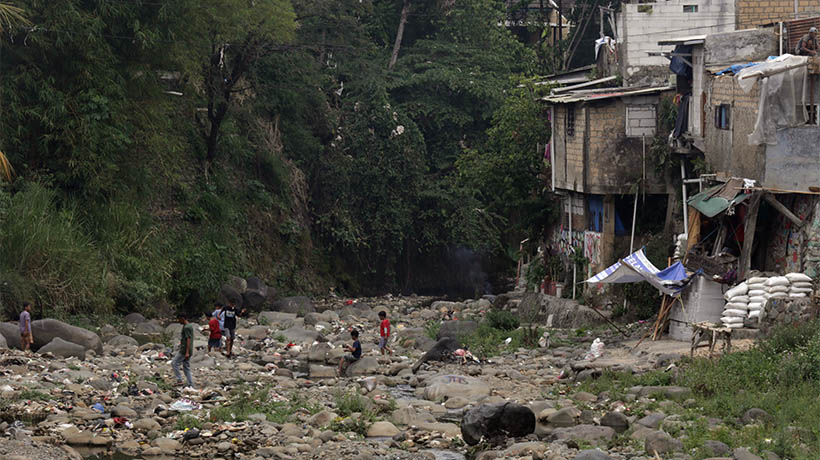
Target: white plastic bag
[595,350]
[758,299]
[754,314]
[795,290]
[732,319]
[739,299]
[756,293]
[756,280]
[736,306]
[734,312]
[755,306]
[774,289]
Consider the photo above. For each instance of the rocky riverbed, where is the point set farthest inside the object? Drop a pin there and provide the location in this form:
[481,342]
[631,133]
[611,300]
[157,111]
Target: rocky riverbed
[281,398]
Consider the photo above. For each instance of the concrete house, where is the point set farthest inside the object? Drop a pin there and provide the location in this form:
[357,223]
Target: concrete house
[599,157]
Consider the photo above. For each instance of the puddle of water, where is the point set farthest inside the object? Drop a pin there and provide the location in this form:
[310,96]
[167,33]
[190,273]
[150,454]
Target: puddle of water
[446,454]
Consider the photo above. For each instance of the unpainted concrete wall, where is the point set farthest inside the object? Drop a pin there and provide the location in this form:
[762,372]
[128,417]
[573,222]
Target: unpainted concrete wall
[740,46]
[640,32]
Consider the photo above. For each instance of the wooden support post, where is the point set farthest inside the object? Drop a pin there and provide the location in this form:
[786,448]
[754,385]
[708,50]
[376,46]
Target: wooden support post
[749,236]
[721,237]
[783,209]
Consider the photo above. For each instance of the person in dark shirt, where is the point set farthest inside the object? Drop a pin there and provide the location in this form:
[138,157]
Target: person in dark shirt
[186,349]
[230,326]
[355,351]
[807,46]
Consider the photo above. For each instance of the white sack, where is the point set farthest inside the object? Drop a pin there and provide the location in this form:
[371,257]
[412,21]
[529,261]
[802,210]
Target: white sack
[797,277]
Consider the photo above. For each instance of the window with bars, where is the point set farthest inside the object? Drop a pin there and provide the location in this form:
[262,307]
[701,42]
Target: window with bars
[723,116]
[690,8]
[811,112]
[570,120]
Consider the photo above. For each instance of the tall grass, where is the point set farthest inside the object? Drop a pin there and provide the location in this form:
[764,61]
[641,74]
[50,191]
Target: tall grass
[45,253]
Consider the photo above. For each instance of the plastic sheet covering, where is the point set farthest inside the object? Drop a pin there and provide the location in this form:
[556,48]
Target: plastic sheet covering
[782,95]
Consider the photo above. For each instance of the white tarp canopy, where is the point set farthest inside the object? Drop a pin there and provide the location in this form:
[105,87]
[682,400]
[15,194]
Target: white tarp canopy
[783,95]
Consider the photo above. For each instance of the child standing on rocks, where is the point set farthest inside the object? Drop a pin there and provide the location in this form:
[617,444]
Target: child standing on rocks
[186,349]
[384,332]
[215,337]
[355,351]
[26,336]
[230,326]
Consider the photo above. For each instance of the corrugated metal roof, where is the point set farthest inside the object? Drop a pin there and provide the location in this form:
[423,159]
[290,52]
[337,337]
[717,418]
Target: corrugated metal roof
[608,93]
[795,29]
[690,40]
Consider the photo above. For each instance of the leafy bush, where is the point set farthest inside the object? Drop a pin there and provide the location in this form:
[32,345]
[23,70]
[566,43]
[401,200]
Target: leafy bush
[500,319]
[431,328]
[350,403]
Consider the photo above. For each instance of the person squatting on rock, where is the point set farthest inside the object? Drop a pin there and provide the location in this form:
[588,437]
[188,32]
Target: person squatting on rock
[230,326]
[384,332]
[186,349]
[26,336]
[215,334]
[355,351]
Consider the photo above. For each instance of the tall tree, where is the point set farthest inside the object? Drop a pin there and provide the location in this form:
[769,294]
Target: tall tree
[236,34]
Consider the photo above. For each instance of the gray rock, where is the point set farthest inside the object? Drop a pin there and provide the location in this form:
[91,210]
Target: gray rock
[566,313]
[769,455]
[596,435]
[167,445]
[592,454]
[382,429]
[134,318]
[173,330]
[300,305]
[122,341]
[444,386]
[123,411]
[492,421]
[717,447]
[365,366]
[258,332]
[254,299]
[670,392]
[11,333]
[146,424]
[456,329]
[742,453]
[322,372]
[651,420]
[302,335]
[63,349]
[565,417]
[45,330]
[659,442]
[322,419]
[756,415]
[3,343]
[615,420]
[277,318]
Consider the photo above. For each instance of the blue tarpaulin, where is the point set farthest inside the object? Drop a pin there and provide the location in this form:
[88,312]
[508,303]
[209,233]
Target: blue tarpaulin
[636,267]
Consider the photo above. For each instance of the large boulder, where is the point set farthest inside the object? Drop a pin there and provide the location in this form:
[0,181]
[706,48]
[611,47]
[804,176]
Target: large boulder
[134,318]
[122,341]
[45,330]
[300,305]
[441,349]
[63,349]
[565,313]
[593,434]
[229,293]
[447,386]
[277,319]
[3,343]
[11,333]
[456,329]
[256,294]
[497,421]
[302,335]
[367,365]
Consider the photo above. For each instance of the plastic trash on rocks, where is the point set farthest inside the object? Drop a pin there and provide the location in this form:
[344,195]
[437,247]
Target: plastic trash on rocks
[185,405]
[98,407]
[596,350]
[544,341]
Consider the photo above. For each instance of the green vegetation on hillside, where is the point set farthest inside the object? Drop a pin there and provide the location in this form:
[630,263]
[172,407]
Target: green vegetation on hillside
[162,146]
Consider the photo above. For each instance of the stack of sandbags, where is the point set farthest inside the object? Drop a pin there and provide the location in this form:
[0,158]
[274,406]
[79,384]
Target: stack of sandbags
[777,287]
[737,305]
[800,285]
[757,295]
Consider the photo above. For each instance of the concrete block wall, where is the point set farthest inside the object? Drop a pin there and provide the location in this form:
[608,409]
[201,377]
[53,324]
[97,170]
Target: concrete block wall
[641,120]
[641,31]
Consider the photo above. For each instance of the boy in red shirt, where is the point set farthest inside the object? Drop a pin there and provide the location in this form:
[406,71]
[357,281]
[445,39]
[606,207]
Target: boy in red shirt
[384,332]
[215,338]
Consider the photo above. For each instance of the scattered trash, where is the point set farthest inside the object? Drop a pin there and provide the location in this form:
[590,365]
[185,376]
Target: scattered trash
[184,405]
[544,341]
[507,341]
[595,350]
[98,407]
